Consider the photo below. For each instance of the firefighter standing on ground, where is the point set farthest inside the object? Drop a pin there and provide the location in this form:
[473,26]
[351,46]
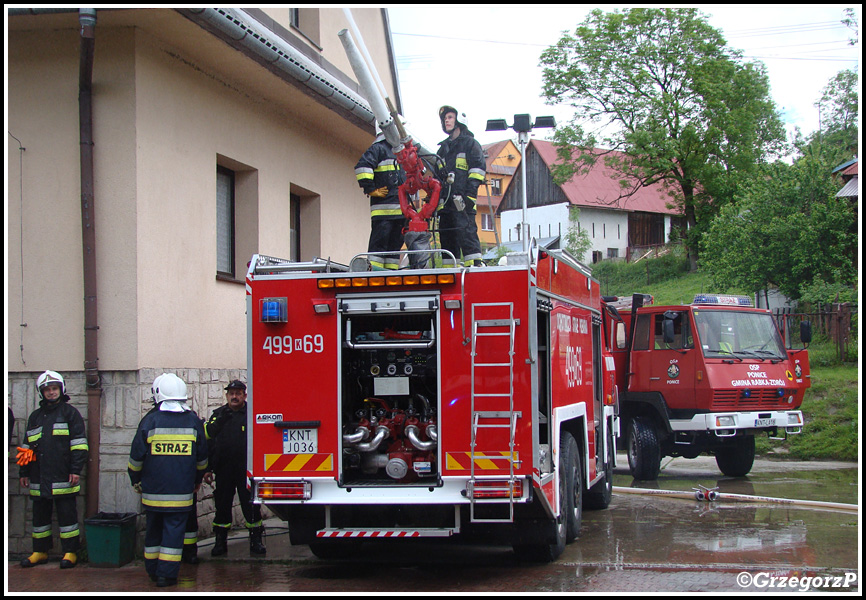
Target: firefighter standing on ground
[190,536]
[51,461]
[167,462]
[379,174]
[464,159]
[226,432]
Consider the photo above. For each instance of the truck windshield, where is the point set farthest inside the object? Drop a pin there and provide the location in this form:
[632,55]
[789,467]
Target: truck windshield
[738,334]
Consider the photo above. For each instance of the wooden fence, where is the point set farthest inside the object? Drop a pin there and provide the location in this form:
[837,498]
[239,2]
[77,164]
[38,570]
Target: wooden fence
[837,322]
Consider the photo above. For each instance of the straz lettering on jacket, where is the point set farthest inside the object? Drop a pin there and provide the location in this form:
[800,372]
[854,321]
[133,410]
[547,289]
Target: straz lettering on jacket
[171,442]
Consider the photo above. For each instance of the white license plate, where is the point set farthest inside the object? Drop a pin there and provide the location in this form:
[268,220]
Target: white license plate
[300,441]
[763,422]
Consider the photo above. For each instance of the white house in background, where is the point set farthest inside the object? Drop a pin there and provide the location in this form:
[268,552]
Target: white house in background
[615,227]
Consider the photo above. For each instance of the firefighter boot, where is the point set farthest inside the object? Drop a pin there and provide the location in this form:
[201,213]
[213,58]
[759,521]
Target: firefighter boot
[190,554]
[256,545]
[220,546]
[37,558]
[70,559]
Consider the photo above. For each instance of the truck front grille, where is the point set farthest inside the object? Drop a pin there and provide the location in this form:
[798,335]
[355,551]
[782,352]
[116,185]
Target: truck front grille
[731,400]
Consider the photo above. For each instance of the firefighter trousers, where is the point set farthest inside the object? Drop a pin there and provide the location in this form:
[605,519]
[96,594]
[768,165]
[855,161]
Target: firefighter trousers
[190,535]
[67,520]
[163,542]
[458,233]
[386,235]
[224,494]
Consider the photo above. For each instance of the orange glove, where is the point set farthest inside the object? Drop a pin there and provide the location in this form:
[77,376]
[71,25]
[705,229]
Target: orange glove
[380,193]
[24,456]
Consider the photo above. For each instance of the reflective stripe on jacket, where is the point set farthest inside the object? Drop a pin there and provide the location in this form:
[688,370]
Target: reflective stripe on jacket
[168,458]
[378,168]
[57,436]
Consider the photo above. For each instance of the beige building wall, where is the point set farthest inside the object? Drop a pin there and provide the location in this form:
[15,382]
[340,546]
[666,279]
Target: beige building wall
[171,102]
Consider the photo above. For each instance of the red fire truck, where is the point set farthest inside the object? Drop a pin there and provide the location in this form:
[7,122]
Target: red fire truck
[429,402]
[704,377]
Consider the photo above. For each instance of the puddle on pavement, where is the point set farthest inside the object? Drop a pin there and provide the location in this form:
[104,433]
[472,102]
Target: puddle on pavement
[646,529]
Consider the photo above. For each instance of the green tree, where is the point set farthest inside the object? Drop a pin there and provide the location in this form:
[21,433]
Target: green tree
[577,240]
[786,229]
[661,87]
[839,107]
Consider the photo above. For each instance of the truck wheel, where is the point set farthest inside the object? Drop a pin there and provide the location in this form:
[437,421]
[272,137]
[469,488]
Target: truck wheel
[556,529]
[335,549]
[644,454]
[573,488]
[598,496]
[736,459]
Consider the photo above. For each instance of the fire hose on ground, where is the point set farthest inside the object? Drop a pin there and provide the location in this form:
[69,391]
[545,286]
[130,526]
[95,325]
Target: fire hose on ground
[713,495]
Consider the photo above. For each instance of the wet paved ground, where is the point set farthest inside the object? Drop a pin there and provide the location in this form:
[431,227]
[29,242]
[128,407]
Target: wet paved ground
[641,543]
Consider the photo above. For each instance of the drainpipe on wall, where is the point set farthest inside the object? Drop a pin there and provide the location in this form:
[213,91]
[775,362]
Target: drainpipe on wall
[87,19]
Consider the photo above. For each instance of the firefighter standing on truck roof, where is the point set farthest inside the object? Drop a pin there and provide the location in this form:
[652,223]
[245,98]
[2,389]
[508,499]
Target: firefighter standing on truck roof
[167,462]
[380,175]
[226,432]
[51,460]
[464,163]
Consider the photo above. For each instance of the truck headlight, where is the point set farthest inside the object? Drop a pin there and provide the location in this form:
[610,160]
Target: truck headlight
[726,421]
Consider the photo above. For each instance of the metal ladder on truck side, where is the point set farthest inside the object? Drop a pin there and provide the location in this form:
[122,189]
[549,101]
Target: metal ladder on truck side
[483,334]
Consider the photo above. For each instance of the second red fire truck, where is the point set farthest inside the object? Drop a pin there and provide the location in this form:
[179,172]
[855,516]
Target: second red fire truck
[705,377]
[430,402]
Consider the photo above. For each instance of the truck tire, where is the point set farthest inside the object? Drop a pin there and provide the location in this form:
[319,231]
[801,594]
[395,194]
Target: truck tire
[335,549]
[598,496]
[554,531]
[736,459]
[644,452]
[573,489]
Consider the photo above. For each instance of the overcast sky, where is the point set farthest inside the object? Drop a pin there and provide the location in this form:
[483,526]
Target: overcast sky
[484,58]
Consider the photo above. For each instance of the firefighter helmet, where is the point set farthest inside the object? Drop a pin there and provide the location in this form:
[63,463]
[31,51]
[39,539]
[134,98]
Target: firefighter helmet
[462,119]
[49,377]
[169,386]
[155,387]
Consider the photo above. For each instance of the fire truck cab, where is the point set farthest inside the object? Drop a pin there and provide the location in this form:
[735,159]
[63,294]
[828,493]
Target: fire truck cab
[429,402]
[704,377]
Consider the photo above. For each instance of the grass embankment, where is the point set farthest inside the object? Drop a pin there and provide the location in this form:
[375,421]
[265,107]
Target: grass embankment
[830,407]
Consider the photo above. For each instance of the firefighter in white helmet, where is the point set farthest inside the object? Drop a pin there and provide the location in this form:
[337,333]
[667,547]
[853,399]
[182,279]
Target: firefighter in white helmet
[51,460]
[464,163]
[167,462]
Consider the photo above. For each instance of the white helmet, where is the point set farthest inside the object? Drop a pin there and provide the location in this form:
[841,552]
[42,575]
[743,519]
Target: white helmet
[155,387]
[169,386]
[49,377]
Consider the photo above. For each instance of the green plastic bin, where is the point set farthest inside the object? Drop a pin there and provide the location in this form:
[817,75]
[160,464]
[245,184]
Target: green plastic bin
[110,539]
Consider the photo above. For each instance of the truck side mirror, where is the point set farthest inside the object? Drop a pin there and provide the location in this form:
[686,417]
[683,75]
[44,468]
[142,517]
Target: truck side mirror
[668,331]
[805,331]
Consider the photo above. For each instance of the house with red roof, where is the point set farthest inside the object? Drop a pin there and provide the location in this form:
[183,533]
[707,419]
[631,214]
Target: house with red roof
[502,159]
[618,224]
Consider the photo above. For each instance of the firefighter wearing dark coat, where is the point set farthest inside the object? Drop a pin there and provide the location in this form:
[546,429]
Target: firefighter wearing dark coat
[464,161]
[379,175]
[227,439]
[51,460]
[167,462]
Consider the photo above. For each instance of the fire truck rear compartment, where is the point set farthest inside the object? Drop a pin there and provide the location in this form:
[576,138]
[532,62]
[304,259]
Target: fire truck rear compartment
[389,394]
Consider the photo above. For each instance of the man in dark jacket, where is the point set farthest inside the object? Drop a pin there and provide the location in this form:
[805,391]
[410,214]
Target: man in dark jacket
[227,439]
[167,462]
[51,460]
[379,175]
[464,163]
